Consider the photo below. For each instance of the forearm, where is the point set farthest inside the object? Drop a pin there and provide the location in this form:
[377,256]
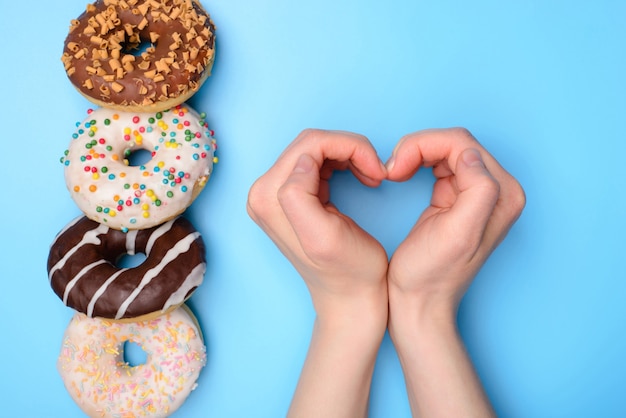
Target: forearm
[440,378]
[336,377]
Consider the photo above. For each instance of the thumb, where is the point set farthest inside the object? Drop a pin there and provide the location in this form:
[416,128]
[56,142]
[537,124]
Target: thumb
[300,202]
[478,194]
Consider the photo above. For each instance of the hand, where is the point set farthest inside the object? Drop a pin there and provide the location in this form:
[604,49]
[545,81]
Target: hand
[474,203]
[343,266]
[335,257]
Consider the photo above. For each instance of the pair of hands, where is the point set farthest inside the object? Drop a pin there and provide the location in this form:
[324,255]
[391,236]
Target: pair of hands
[474,203]
[358,292]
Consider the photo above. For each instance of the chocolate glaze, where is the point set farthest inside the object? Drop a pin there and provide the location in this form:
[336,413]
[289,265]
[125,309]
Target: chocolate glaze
[82,270]
[108,29]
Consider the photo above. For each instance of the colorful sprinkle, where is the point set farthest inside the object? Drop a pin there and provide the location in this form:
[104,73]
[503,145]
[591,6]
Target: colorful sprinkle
[94,371]
[177,150]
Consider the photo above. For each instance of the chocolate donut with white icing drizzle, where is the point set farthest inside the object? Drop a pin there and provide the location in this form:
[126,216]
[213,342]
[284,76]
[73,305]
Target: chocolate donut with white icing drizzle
[83,273]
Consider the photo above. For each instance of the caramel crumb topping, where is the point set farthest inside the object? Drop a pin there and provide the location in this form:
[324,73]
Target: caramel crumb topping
[117,87]
[144,65]
[174,40]
[115,64]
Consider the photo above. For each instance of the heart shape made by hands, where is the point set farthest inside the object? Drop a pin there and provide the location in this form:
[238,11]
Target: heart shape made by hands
[387,212]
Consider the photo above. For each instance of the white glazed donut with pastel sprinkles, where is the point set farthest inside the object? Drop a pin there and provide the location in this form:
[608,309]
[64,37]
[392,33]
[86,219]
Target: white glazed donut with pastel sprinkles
[111,191]
[102,384]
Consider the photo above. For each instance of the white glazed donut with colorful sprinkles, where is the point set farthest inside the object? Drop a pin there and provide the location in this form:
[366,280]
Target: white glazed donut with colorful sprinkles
[126,197]
[91,364]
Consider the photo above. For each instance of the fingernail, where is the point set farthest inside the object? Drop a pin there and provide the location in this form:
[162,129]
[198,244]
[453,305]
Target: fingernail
[472,158]
[383,166]
[304,164]
[390,163]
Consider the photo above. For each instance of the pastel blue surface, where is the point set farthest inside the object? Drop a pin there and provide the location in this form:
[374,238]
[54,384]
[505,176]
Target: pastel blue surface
[540,83]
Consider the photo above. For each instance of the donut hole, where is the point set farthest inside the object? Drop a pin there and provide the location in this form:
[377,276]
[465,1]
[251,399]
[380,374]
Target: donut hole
[136,45]
[138,157]
[133,355]
[130,260]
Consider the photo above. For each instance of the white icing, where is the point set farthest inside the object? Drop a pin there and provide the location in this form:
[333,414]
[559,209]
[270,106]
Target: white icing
[159,232]
[79,275]
[194,279]
[101,291]
[131,237]
[180,247]
[186,276]
[92,368]
[127,197]
[90,237]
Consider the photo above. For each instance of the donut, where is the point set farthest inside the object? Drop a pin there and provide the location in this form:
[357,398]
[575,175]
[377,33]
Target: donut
[110,190]
[82,268]
[140,55]
[91,364]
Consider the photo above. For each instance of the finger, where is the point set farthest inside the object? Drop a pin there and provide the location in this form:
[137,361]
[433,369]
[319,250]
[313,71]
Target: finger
[345,150]
[313,225]
[478,195]
[263,205]
[441,148]
[437,147]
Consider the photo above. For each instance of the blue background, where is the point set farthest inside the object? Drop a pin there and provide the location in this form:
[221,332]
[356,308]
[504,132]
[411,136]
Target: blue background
[540,83]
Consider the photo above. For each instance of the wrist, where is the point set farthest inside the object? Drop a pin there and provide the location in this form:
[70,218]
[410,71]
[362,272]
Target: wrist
[365,313]
[439,374]
[413,313]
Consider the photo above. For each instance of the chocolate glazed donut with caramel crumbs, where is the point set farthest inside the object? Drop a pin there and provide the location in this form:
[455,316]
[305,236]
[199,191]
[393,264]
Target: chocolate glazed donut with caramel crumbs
[140,55]
[83,273]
